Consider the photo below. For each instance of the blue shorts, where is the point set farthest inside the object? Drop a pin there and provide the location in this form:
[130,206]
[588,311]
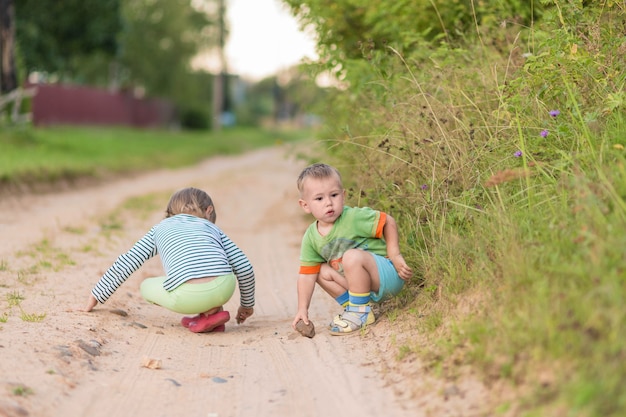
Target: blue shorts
[390,282]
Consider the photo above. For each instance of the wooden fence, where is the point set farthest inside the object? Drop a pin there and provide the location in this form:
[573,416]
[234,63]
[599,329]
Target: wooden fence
[14,99]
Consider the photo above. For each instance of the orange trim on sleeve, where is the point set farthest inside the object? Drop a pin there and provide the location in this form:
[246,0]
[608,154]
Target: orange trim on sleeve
[381,225]
[310,269]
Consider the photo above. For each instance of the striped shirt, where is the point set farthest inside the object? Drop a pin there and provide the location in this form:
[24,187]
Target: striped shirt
[190,247]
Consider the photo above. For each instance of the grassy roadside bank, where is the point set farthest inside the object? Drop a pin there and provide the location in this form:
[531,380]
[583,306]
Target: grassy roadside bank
[36,158]
[503,160]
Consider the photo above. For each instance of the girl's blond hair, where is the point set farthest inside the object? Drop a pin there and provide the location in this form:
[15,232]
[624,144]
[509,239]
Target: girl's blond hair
[191,201]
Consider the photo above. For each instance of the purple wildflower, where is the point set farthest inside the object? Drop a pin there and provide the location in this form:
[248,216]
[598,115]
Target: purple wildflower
[424,187]
[544,133]
[517,154]
[554,113]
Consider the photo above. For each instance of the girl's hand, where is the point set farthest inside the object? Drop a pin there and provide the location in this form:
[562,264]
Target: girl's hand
[91,303]
[243,313]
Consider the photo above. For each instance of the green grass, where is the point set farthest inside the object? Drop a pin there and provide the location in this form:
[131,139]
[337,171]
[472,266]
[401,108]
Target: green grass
[512,216]
[32,317]
[14,298]
[36,155]
[46,256]
[22,391]
[145,205]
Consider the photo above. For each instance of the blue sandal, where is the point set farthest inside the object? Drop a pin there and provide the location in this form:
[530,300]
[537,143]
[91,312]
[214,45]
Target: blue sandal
[352,320]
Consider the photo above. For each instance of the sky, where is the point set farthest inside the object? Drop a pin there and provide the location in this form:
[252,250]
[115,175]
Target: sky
[264,38]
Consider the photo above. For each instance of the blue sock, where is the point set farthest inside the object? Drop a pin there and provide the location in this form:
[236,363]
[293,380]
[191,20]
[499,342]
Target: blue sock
[357,300]
[343,299]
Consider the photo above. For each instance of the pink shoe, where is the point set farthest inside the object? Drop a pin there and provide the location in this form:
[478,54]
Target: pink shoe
[207,323]
[185,321]
[220,328]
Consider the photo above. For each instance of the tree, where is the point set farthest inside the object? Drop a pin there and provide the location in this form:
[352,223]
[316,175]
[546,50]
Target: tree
[290,97]
[140,45]
[355,30]
[64,37]
[159,39]
[8,78]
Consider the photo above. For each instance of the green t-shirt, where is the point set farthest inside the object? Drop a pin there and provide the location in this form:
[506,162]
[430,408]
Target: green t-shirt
[360,228]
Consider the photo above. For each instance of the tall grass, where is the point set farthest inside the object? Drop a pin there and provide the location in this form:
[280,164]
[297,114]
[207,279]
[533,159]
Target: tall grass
[507,174]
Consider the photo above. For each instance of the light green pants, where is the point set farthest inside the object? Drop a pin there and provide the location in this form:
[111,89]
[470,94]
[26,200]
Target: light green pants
[189,298]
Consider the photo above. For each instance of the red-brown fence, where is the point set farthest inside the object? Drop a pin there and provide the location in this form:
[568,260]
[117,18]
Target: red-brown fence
[55,104]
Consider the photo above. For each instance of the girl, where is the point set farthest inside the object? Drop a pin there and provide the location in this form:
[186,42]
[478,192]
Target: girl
[201,266]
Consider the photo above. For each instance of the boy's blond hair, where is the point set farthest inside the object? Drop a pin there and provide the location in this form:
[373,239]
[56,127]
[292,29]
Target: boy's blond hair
[190,201]
[319,171]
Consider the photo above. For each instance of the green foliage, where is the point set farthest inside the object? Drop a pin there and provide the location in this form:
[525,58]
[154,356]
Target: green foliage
[293,95]
[259,103]
[355,29]
[145,46]
[195,118]
[577,67]
[60,36]
[158,41]
[501,155]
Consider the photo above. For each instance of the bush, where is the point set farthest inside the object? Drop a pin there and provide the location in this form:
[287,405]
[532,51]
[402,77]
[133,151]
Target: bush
[502,158]
[195,118]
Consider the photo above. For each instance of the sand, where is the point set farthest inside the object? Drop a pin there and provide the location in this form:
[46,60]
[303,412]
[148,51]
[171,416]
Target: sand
[130,358]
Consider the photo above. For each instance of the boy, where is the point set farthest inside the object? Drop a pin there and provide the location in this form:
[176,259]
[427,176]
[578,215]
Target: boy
[352,253]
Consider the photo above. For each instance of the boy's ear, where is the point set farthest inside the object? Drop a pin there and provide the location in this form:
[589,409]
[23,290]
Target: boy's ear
[304,206]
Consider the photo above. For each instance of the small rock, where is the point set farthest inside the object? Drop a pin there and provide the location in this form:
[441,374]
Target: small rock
[151,363]
[451,391]
[92,348]
[307,330]
[119,312]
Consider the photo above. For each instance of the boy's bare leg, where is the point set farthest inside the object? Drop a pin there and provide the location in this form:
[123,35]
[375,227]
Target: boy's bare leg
[332,281]
[361,271]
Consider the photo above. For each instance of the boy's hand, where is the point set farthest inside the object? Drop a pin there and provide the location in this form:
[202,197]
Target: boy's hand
[300,316]
[404,271]
[243,313]
[91,303]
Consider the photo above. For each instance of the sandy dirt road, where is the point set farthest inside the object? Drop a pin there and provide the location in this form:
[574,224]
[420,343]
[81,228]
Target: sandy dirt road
[54,247]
